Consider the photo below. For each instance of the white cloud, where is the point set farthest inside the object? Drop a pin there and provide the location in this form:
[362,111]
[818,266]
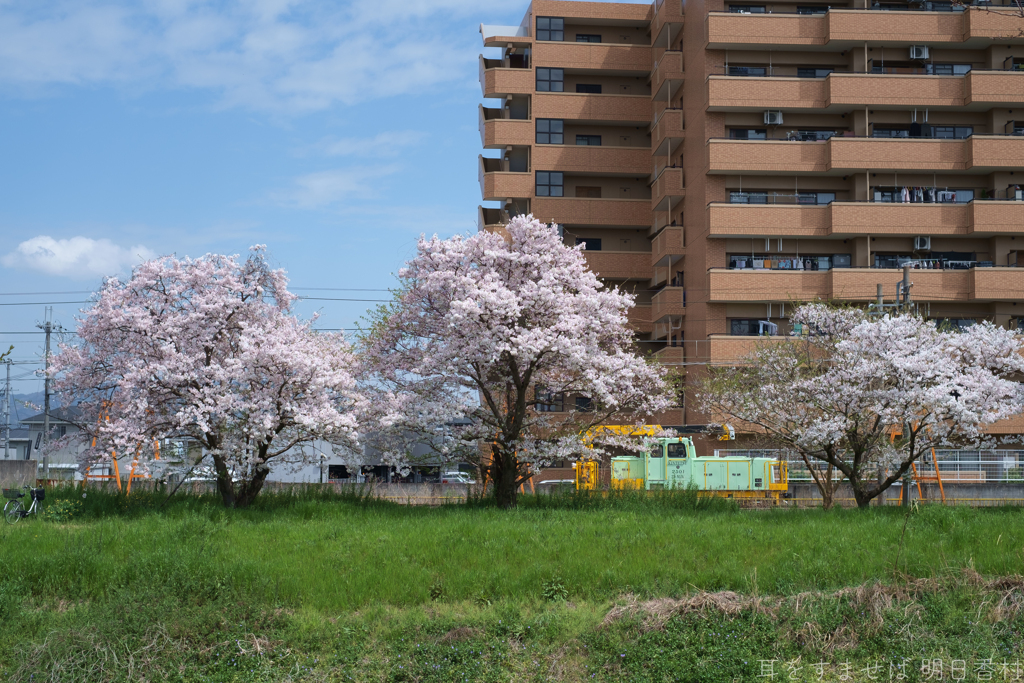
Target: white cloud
[324,188]
[286,56]
[77,257]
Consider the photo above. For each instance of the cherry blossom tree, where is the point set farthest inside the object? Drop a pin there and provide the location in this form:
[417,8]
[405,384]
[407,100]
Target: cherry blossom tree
[208,349]
[868,398]
[502,350]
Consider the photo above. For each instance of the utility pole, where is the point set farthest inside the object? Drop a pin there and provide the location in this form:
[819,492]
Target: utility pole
[47,327]
[7,410]
[906,287]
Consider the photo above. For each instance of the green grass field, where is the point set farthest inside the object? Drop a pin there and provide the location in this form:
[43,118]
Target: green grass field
[322,587]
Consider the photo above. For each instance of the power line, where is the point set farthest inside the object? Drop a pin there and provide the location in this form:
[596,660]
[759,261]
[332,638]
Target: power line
[43,293]
[41,303]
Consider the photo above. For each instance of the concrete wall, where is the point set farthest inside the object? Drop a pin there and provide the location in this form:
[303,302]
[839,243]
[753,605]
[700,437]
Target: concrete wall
[15,473]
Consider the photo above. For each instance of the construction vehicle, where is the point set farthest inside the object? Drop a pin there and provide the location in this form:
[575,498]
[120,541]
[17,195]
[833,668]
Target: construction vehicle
[672,463]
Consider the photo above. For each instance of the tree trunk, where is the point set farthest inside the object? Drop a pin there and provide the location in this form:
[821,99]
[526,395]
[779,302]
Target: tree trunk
[861,494]
[828,490]
[243,493]
[225,486]
[248,490]
[504,473]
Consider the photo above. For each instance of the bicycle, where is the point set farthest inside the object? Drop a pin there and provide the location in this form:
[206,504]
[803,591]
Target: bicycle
[15,510]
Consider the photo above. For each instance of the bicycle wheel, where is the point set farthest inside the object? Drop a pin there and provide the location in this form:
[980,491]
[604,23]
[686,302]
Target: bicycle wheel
[13,511]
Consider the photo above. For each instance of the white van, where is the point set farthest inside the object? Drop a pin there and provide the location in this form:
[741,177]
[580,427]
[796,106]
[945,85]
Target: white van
[456,478]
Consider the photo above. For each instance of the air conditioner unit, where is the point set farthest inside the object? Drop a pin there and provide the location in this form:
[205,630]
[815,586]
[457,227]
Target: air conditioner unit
[772,118]
[922,244]
[919,52]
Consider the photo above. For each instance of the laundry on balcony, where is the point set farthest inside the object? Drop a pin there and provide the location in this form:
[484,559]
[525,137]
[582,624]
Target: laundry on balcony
[776,262]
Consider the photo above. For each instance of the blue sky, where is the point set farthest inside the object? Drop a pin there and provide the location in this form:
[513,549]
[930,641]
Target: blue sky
[333,132]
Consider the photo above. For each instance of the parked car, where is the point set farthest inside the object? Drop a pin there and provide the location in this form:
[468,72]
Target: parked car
[456,478]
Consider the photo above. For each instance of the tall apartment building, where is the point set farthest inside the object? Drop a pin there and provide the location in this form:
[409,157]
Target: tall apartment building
[730,162]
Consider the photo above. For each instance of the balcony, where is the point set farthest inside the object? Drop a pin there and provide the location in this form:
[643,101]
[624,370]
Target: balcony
[737,92]
[498,81]
[730,29]
[995,284]
[669,302]
[921,154]
[995,217]
[597,159]
[667,22]
[993,87]
[667,191]
[496,184]
[767,285]
[768,220]
[671,356]
[667,247]
[618,108]
[639,318]
[500,36]
[607,212]
[767,156]
[667,75]
[499,133]
[619,265]
[729,350]
[978,153]
[865,89]
[727,30]
[914,28]
[592,56]
[860,284]
[863,218]
[491,220]
[995,151]
[667,132]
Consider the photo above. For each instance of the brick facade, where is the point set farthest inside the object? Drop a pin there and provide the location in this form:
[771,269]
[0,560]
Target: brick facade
[680,121]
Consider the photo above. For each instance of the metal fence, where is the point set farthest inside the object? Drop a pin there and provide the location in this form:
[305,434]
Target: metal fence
[955,466]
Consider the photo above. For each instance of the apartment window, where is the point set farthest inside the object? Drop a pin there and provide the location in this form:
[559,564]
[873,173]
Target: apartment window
[812,72]
[744,327]
[748,133]
[592,88]
[952,132]
[550,80]
[805,9]
[549,184]
[748,197]
[585,192]
[591,243]
[550,28]
[549,132]
[884,132]
[748,71]
[950,69]
[591,140]
[747,9]
[549,401]
[584,404]
[588,38]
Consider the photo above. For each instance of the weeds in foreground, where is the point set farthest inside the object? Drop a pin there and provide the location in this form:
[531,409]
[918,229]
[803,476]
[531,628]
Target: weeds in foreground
[705,636]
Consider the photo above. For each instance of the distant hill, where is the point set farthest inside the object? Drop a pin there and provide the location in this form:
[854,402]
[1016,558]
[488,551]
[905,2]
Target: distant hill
[36,398]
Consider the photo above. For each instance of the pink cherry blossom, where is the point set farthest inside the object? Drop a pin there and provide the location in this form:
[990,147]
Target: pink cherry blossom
[480,323]
[867,398]
[208,349]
